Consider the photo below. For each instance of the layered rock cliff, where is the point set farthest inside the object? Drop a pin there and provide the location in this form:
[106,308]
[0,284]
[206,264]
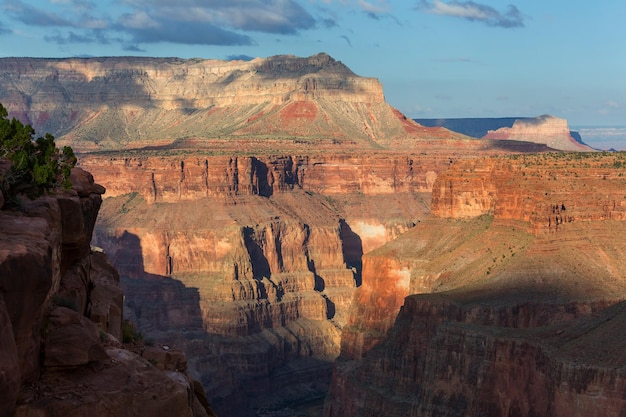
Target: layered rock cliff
[547,191]
[520,294]
[61,311]
[254,256]
[121,103]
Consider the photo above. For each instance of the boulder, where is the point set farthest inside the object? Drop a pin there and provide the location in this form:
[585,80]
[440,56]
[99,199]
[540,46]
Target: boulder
[71,340]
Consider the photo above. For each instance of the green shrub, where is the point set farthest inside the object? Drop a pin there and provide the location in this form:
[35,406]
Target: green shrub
[37,165]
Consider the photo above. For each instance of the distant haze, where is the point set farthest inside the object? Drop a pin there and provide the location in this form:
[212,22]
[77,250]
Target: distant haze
[603,137]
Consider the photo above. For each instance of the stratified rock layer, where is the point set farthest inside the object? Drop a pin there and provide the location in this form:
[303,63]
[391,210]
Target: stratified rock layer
[278,102]
[519,284]
[548,191]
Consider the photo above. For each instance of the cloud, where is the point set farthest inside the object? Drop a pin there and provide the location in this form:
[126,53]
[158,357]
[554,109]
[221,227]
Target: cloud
[192,22]
[475,12]
[33,16]
[374,9]
[329,22]
[188,33]
[70,37]
[4,30]
[344,37]
[133,48]
[268,16]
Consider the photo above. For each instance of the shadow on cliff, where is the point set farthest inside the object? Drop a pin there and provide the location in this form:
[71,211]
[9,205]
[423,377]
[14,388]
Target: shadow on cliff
[168,311]
[352,249]
[153,301]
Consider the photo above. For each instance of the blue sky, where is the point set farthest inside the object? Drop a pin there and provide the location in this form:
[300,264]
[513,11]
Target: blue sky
[435,58]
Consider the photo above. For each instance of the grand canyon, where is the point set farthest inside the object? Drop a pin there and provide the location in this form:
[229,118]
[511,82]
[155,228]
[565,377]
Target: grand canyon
[288,243]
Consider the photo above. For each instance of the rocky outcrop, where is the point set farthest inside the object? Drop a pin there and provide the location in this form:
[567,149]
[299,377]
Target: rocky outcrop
[549,130]
[513,315]
[61,311]
[266,280]
[542,129]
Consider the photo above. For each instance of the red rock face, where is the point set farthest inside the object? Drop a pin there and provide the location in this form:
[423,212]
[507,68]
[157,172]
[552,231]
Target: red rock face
[173,179]
[511,306]
[547,191]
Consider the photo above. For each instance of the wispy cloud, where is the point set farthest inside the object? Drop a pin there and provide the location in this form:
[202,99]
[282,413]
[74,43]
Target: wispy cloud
[193,22]
[613,104]
[70,37]
[374,9]
[345,38]
[133,48]
[475,12]
[34,16]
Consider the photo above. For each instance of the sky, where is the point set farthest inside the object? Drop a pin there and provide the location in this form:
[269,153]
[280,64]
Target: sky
[435,58]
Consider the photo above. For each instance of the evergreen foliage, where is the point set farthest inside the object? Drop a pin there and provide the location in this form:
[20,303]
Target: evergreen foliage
[36,165]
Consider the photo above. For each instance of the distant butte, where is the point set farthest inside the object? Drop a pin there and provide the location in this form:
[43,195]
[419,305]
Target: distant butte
[546,129]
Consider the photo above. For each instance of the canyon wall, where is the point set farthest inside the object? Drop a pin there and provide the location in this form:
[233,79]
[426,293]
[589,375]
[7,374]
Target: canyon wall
[254,256]
[518,279]
[547,191]
[61,311]
[180,178]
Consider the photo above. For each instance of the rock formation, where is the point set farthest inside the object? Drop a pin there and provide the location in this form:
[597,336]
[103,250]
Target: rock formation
[61,320]
[121,103]
[546,129]
[518,285]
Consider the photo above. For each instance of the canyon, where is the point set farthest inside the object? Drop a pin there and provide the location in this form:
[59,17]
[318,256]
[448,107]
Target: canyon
[300,241]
